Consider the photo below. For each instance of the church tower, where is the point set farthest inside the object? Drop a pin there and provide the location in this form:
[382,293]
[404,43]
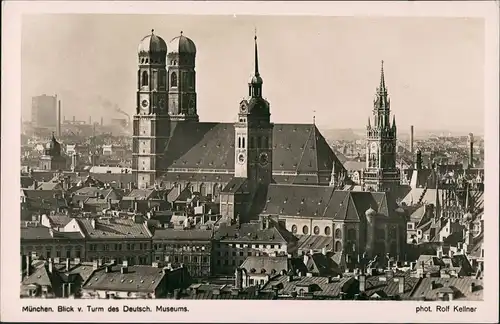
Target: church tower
[151,119]
[254,134]
[182,79]
[381,173]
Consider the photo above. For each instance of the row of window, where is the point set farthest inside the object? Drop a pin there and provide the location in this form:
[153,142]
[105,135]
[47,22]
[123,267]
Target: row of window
[48,254]
[184,258]
[164,246]
[253,246]
[189,80]
[119,247]
[234,253]
[305,230]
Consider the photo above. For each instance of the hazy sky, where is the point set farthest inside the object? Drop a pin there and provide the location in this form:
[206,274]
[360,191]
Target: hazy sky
[433,66]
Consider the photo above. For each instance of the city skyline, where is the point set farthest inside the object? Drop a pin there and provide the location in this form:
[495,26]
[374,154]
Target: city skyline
[426,74]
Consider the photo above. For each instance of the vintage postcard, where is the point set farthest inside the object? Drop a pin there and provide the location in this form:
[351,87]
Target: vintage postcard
[250,161]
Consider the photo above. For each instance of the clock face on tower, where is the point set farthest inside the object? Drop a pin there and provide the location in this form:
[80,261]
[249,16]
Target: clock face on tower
[241,158]
[373,148]
[263,159]
[145,103]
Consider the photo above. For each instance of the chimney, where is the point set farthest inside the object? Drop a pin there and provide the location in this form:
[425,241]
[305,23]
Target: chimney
[28,265]
[51,265]
[290,278]
[306,258]
[169,265]
[124,270]
[411,140]
[472,287]
[93,223]
[323,250]
[362,283]
[401,285]
[68,264]
[57,260]
[471,150]
[74,119]
[433,284]
[102,121]
[95,264]
[125,263]
[176,294]
[108,269]
[77,260]
[58,127]
[90,120]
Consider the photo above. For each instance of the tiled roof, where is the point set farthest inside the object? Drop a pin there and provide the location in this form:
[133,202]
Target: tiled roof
[211,146]
[210,291]
[314,242]
[93,192]
[59,220]
[44,233]
[42,277]
[251,232]
[198,177]
[389,287]
[140,194]
[324,201]
[49,186]
[460,286]
[318,286]
[188,234]
[271,265]
[235,185]
[26,181]
[138,278]
[116,229]
[322,265]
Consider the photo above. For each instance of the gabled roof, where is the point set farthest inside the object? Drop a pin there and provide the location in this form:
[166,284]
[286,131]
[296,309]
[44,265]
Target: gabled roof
[252,232]
[459,286]
[138,278]
[319,286]
[270,265]
[116,229]
[389,287]
[45,233]
[205,145]
[236,185]
[324,201]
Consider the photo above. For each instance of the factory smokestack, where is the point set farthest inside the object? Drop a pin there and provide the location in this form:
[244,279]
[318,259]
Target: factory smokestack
[102,121]
[74,119]
[411,140]
[90,120]
[58,126]
[471,150]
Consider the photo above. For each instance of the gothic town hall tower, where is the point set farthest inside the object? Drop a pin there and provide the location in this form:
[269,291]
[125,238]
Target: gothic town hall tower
[381,173]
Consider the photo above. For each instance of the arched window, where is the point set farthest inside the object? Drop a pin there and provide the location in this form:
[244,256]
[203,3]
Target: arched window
[173,79]
[316,230]
[203,190]
[328,231]
[338,233]
[305,230]
[243,142]
[338,246]
[239,142]
[144,78]
[294,229]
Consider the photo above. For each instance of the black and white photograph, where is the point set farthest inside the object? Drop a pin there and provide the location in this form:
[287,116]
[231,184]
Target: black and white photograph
[168,157]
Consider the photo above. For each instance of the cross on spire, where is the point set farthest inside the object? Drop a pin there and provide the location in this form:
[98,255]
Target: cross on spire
[256,54]
[152,31]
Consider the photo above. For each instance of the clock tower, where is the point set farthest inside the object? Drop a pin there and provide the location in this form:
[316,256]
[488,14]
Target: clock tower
[182,79]
[254,134]
[381,173]
[151,120]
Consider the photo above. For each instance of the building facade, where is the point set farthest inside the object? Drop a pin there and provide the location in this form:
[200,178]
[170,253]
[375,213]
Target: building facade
[44,111]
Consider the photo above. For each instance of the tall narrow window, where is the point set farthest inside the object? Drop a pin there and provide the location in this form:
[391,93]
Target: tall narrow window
[161,79]
[243,142]
[239,142]
[144,78]
[173,80]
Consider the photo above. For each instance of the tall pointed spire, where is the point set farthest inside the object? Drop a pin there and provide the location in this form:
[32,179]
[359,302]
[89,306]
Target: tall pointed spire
[393,121]
[382,88]
[255,85]
[256,55]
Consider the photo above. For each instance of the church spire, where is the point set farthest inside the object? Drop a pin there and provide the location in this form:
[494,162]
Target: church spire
[255,85]
[256,73]
[382,89]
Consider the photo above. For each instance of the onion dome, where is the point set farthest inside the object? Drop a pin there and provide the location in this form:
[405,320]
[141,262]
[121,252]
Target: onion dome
[370,212]
[152,44]
[181,45]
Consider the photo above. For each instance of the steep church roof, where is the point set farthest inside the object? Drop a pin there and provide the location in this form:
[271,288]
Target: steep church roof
[296,148]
